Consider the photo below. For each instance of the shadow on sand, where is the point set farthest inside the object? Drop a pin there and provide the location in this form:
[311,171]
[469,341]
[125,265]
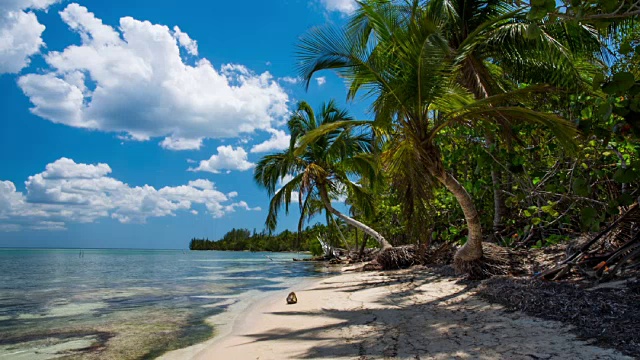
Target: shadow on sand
[425,315]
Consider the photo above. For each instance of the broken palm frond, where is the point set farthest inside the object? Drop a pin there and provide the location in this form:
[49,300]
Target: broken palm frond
[610,253]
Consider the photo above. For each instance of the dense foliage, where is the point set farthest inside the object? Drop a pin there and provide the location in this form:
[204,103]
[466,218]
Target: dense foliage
[511,122]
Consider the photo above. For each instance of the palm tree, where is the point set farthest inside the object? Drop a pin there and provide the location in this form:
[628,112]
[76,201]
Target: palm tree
[319,171]
[401,58]
[495,46]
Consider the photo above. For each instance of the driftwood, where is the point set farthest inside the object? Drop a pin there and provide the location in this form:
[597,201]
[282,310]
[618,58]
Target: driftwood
[613,251]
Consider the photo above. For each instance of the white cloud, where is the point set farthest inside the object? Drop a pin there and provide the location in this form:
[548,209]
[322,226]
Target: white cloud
[279,141]
[20,33]
[285,179]
[133,81]
[203,184]
[67,168]
[295,195]
[291,80]
[227,158]
[242,205]
[321,80]
[69,192]
[172,143]
[346,7]
[185,41]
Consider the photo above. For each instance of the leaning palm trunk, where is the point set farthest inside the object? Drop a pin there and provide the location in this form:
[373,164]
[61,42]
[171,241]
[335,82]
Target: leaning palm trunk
[472,249]
[384,244]
[344,239]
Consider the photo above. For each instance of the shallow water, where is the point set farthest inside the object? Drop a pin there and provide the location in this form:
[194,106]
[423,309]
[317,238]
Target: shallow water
[126,304]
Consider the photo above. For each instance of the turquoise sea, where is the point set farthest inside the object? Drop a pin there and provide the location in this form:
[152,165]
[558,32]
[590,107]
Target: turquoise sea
[128,304]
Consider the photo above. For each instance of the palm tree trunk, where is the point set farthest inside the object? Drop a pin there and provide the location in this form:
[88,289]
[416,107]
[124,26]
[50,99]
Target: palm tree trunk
[384,244]
[472,249]
[363,245]
[498,199]
[299,235]
[496,181]
[355,230]
[342,237]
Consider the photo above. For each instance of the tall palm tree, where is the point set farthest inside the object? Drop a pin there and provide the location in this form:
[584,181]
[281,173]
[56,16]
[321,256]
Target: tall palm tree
[405,64]
[494,46]
[320,170]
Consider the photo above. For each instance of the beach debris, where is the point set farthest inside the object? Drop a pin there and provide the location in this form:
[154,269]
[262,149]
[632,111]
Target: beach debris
[292,298]
[496,260]
[607,314]
[612,252]
[400,257]
[403,257]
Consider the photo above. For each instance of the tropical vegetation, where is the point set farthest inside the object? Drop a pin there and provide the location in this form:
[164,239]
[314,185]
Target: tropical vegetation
[513,123]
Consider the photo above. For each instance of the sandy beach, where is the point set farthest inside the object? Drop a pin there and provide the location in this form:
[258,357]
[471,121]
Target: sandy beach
[410,314]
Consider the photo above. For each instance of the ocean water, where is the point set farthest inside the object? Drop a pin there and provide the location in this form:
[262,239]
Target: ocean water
[128,304]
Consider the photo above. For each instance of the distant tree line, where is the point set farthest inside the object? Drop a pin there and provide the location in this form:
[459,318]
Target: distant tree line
[245,240]
[306,240]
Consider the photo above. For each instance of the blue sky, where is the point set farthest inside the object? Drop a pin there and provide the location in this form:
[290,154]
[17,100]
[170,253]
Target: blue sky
[136,123]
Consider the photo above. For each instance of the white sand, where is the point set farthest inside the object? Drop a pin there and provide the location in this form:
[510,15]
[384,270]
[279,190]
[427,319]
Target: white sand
[393,315]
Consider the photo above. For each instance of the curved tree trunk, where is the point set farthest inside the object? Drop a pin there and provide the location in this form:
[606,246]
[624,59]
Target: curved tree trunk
[384,244]
[344,239]
[472,250]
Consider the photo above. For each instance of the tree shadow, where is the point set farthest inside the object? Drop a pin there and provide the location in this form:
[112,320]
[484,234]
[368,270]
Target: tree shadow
[407,324]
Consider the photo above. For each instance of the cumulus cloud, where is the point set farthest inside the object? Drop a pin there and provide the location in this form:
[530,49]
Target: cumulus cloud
[346,7]
[185,41]
[202,184]
[321,80]
[70,192]
[228,158]
[134,82]
[20,33]
[279,140]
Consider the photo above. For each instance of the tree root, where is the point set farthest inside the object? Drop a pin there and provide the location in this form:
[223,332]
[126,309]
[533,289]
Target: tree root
[400,257]
[495,260]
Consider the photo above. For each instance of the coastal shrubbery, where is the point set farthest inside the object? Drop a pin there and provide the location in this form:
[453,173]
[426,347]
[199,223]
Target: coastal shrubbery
[245,240]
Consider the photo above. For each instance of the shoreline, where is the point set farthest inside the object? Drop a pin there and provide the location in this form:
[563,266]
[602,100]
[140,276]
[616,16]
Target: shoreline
[228,322]
[405,314]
